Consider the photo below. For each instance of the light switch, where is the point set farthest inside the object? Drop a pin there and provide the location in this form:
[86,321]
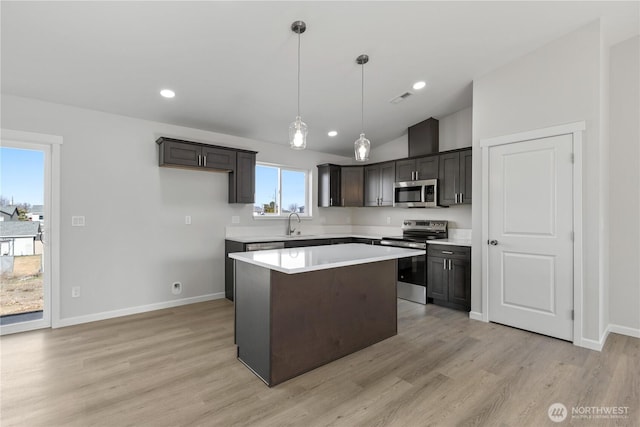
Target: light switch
[187,220]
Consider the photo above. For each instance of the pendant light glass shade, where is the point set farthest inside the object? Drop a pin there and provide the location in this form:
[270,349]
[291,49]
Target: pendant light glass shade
[362,145]
[298,134]
[298,129]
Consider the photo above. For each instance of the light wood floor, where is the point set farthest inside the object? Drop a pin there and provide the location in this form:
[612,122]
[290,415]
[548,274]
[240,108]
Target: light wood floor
[177,367]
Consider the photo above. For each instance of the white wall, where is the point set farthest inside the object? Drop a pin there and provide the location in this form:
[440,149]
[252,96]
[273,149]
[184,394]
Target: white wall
[624,185]
[556,84]
[455,130]
[135,242]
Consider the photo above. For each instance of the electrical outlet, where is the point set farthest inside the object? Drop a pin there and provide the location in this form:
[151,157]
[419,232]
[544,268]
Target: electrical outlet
[235,219]
[77,221]
[187,220]
[176,288]
[388,220]
[75,292]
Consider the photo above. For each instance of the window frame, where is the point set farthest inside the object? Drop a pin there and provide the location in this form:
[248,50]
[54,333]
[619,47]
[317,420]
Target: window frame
[308,214]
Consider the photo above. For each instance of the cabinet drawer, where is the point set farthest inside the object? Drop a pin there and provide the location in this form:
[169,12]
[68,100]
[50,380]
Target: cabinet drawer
[449,251]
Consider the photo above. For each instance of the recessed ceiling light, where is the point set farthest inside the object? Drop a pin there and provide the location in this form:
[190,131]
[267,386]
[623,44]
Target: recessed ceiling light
[419,85]
[332,133]
[167,93]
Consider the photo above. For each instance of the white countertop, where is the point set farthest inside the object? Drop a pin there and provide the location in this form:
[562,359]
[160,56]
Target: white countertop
[282,238]
[313,258]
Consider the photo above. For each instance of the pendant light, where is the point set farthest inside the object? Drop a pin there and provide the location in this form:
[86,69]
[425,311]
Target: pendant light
[362,144]
[298,129]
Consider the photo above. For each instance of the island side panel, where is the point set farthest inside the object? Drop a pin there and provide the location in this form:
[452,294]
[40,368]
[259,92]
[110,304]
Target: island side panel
[252,316]
[321,316]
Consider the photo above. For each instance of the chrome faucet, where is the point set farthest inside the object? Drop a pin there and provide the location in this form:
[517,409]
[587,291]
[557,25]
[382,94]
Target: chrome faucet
[289,229]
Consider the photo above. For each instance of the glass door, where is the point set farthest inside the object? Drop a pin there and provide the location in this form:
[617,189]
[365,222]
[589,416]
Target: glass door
[25,279]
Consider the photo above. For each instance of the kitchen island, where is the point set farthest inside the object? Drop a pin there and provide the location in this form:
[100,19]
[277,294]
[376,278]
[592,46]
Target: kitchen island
[300,308]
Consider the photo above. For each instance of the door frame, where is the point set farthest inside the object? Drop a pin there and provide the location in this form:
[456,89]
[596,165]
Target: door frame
[52,231]
[575,129]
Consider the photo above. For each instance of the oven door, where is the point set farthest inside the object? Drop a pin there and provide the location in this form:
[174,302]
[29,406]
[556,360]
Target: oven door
[412,278]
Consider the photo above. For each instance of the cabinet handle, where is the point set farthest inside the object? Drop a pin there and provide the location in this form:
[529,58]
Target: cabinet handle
[343,201]
[461,197]
[330,201]
[447,252]
[444,264]
[456,197]
[205,161]
[199,160]
[449,264]
[417,175]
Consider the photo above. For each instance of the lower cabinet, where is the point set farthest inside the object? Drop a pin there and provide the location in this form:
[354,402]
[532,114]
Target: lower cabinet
[449,276]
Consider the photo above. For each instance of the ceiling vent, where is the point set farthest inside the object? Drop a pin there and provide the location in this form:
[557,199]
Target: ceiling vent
[398,99]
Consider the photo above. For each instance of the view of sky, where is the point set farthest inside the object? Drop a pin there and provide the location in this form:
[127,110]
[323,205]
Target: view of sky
[293,186]
[22,175]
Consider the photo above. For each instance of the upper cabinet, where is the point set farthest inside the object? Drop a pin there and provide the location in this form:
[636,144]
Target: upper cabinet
[455,178]
[242,180]
[424,138]
[174,152]
[340,186]
[352,186]
[329,185]
[194,155]
[417,169]
[378,184]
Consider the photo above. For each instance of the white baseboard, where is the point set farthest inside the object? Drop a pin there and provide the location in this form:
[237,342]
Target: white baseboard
[134,310]
[474,315]
[624,330]
[593,344]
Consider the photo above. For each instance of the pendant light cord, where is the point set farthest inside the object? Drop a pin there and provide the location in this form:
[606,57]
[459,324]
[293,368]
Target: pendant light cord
[298,74]
[362,104]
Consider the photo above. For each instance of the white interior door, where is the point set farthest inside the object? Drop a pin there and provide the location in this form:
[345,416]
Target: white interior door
[530,217]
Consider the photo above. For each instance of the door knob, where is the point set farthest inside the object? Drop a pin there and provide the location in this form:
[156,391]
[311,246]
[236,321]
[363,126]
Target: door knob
[493,242]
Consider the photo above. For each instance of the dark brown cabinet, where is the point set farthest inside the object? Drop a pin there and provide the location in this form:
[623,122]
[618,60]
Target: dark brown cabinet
[242,180]
[174,152]
[424,138]
[449,276]
[417,169]
[455,177]
[240,164]
[378,184]
[352,186]
[328,185]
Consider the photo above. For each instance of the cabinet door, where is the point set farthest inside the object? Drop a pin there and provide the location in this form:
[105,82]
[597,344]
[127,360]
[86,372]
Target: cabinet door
[437,276]
[328,186]
[352,186]
[466,161]
[405,170]
[387,179]
[460,283]
[371,185]
[242,181]
[427,167]
[449,178]
[218,158]
[180,153]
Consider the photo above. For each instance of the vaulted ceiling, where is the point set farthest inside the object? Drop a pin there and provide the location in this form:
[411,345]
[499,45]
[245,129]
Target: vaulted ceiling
[233,64]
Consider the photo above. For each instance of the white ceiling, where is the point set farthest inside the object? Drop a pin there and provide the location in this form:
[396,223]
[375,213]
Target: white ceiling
[233,64]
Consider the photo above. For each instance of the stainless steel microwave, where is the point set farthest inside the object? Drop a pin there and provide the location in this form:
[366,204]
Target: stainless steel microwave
[416,194]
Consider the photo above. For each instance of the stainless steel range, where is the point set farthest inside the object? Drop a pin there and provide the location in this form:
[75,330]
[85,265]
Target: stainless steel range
[412,272]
